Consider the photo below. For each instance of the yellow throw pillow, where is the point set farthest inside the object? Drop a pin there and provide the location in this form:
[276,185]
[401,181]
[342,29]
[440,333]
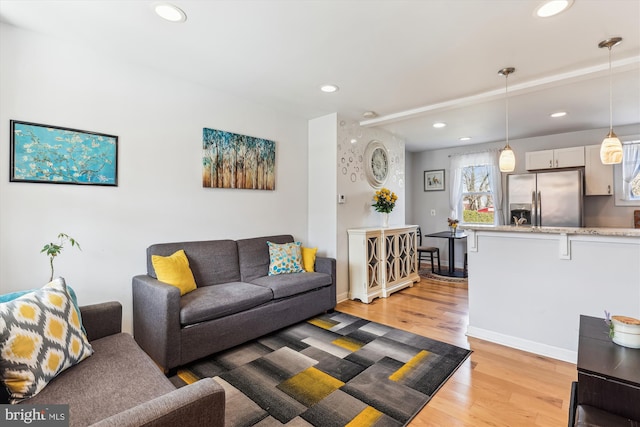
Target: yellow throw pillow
[40,336]
[174,270]
[309,259]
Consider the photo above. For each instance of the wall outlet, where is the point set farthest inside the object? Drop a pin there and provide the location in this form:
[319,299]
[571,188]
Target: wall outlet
[433,212]
[342,199]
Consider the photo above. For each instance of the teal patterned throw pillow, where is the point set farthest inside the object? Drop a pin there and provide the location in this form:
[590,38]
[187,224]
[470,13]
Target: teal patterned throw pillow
[285,258]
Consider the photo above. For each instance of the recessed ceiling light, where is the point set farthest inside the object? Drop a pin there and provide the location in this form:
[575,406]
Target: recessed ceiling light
[552,7]
[465,138]
[439,125]
[170,12]
[558,114]
[329,88]
[369,114]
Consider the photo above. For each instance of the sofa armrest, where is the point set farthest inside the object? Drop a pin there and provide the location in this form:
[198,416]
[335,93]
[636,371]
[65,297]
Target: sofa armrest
[156,320]
[101,320]
[328,266]
[199,404]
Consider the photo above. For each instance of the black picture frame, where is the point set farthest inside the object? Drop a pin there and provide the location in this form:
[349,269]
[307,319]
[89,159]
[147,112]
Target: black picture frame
[434,180]
[58,155]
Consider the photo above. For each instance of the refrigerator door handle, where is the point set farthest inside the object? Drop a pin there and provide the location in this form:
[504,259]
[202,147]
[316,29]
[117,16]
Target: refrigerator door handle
[534,209]
[539,207]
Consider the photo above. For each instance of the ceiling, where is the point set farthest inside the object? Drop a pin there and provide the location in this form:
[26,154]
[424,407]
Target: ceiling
[412,62]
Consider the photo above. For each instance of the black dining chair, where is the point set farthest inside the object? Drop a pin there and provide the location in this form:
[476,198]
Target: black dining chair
[432,251]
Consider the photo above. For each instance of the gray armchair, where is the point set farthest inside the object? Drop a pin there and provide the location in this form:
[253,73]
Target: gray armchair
[119,385]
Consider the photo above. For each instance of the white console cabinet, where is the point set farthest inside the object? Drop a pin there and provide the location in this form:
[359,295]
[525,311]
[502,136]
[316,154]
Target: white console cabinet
[381,261]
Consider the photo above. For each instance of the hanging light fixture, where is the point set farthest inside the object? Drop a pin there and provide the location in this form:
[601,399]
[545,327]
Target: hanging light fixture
[507,161]
[611,148]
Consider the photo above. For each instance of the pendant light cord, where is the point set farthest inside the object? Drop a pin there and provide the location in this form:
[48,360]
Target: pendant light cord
[506,102]
[610,95]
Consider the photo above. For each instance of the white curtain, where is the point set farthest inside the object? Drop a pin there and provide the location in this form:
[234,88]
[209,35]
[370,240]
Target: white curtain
[631,167]
[486,158]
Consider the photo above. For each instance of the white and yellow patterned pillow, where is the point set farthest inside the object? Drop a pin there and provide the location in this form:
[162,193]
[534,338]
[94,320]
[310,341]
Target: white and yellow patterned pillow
[285,258]
[40,336]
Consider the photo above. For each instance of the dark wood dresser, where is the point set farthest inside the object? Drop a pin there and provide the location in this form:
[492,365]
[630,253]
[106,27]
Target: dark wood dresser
[608,374]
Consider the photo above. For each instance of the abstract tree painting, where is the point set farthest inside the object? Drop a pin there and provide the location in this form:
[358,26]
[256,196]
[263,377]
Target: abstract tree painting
[230,160]
[51,154]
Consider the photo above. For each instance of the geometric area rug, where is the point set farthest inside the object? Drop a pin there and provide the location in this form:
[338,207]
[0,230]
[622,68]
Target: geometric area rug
[331,370]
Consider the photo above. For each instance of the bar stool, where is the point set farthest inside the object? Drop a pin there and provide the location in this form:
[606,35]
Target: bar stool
[424,250]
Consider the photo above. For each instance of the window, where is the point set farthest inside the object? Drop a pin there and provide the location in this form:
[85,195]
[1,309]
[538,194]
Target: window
[631,171]
[477,196]
[627,175]
[476,191]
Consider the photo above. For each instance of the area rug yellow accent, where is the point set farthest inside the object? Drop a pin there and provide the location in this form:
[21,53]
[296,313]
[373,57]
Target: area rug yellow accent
[332,370]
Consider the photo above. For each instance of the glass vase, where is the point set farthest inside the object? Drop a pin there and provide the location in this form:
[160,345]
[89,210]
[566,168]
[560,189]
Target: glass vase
[385,219]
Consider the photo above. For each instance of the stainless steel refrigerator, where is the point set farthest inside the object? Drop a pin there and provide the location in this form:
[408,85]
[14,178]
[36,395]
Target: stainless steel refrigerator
[546,198]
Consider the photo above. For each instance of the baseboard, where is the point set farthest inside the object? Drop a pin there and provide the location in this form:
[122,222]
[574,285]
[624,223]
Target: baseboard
[524,345]
[342,297]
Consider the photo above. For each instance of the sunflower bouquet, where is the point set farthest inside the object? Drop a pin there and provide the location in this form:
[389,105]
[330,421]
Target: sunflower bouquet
[384,200]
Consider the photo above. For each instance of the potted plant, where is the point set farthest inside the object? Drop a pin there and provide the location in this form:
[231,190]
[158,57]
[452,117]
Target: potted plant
[453,225]
[52,250]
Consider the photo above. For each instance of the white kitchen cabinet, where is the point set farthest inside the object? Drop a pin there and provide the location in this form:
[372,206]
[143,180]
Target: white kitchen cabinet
[552,159]
[381,261]
[598,178]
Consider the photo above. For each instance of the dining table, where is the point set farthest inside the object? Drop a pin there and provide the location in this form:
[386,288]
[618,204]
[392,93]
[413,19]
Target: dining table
[452,237]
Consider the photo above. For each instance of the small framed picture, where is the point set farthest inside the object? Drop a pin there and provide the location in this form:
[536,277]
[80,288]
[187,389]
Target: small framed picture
[434,180]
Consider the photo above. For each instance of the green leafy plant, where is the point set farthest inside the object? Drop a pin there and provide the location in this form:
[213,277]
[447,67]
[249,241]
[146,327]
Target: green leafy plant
[52,250]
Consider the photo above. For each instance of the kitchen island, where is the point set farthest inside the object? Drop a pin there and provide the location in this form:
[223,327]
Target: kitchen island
[528,286]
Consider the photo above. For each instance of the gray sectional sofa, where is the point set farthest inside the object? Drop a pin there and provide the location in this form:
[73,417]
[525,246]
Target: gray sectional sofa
[119,385]
[235,300]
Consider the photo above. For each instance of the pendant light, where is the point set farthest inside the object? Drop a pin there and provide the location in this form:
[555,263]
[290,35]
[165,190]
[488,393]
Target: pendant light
[611,148]
[507,160]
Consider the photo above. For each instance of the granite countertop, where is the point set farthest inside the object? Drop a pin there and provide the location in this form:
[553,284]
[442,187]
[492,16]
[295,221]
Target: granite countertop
[592,231]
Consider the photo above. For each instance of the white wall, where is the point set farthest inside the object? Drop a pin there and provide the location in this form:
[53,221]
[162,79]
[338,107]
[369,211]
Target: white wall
[160,198]
[352,183]
[599,211]
[323,219]
[342,142]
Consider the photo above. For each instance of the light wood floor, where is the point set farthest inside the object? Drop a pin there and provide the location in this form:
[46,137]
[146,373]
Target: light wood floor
[496,385]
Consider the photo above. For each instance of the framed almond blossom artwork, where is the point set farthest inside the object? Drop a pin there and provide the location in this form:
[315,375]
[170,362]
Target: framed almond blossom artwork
[57,155]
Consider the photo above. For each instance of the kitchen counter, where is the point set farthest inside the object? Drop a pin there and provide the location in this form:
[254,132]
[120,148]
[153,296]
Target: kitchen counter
[592,231]
[528,286]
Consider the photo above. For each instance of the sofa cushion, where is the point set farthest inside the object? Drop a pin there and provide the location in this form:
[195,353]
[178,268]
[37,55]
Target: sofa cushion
[118,369]
[309,259]
[40,336]
[212,261]
[174,270]
[253,255]
[285,258]
[212,302]
[286,285]
[74,299]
